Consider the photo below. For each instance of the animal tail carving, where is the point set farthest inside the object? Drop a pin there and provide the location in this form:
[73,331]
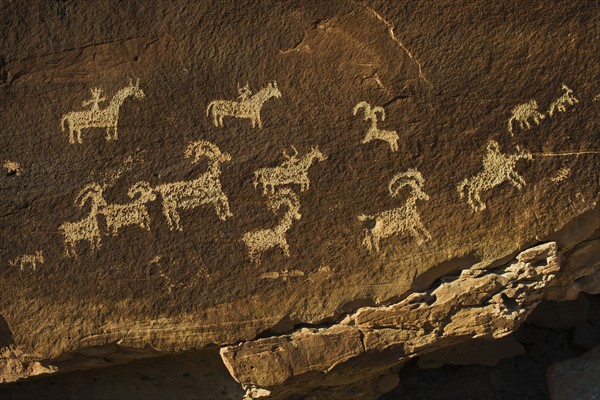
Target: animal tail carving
[62,123]
[364,218]
[211,104]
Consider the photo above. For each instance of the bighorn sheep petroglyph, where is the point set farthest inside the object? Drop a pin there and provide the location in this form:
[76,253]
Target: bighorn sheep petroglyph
[293,170]
[522,113]
[97,117]
[497,168]
[391,137]
[31,260]
[401,219]
[560,104]
[259,241]
[132,213]
[86,229]
[206,189]
[248,106]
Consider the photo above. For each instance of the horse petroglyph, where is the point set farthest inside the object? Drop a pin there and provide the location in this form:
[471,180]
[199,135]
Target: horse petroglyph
[560,104]
[86,229]
[97,117]
[206,189]
[261,240]
[132,213]
[391,137]
[31,260]
[523,113]
[497,168]
[248,105]
[401,219]
[294,170]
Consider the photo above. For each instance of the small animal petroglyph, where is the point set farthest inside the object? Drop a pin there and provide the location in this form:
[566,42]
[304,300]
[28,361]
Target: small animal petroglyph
[497,168]
[284,275]
[391,137]
[12,167]
[560,104]
[561,175]
[97,117]
[206,189]
[132,213]
[401,219]
[86,229]
[259,241]
[293,170]
[248,105]
[523,113]
[31,260]
[596,98]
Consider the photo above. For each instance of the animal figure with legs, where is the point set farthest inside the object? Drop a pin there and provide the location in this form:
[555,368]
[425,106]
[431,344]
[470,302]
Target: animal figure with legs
[248,106]
[259,241]
[294,170]
[132,213]
[403,219]
[497,168]
[206,189]
[391,137]
[86,229]
[108,117]
[523,113]
[560,104]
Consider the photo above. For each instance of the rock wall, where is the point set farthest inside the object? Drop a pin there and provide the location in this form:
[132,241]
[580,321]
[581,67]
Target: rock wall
[313,187]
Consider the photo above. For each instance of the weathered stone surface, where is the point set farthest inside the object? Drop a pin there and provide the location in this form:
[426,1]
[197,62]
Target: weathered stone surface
[576,378]
[445,139]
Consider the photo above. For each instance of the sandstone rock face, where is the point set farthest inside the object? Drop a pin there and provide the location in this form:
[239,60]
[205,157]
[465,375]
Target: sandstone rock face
[576,378]
[323,190]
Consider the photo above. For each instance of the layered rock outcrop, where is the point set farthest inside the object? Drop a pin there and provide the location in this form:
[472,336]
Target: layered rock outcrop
[322,190]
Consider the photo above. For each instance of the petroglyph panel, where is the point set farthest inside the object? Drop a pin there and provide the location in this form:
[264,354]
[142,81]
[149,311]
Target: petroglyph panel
[497,168]
[28,260]
[405,219]
[374,133]
[259,241]
[96,117]
[293,171]
[247,106]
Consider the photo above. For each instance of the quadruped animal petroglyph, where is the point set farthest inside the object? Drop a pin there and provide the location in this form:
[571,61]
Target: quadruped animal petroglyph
[523,114]
[28,260]
[294,170]
[206,189]
[96,117]
[497,168]
[401,219]
[373,133]
[566,99]
[259,241]
[132,213]
[247,106]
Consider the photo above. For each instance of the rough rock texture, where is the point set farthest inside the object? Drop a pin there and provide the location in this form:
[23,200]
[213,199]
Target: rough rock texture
[354,178]
[576,378]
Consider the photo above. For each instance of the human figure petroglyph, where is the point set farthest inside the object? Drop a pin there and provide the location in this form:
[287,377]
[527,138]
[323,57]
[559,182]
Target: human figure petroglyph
[206,189]
[497,168]
[402,219]
[31,260]
[259,241]
[560,104]
[248,106]
[293,170]
[132,213]
[523,113]
[96,117]
[391,137]
[86,229]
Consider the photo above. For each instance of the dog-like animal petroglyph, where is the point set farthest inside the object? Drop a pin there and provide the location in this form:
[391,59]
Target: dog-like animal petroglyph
[497,168]
[391,137]
[259,241]
[28,260]
[566,99]
[206,189]
[523,114]
[96,117]
[294,170]
[248,106]
[132,213]
[401,219]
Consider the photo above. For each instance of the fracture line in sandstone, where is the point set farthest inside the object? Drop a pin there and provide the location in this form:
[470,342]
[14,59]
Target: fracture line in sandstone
[391,137]
[402,219]
[248,106]
[97,117]
[497,168]
[294,170]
